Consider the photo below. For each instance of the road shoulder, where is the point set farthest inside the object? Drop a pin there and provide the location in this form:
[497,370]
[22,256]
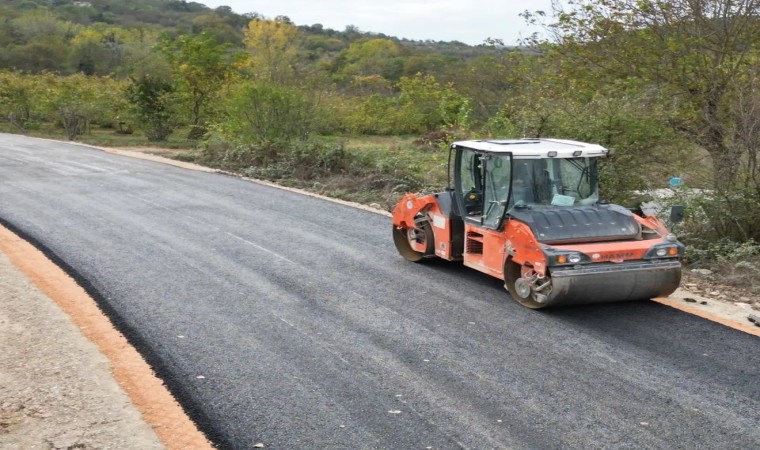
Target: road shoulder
[55,385]
[68,378]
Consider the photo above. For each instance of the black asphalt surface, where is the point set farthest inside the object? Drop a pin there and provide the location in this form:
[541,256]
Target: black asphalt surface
[291,321]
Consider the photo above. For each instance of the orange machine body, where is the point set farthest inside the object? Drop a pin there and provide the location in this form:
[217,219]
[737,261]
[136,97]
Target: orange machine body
[528,212]
[488,250]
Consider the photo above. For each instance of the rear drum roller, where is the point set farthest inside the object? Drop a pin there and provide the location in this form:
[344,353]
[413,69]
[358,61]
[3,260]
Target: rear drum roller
[517,280]
[415,244]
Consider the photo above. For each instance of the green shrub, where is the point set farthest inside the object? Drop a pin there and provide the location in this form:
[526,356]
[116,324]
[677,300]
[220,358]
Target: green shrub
[153,101]
[266,112]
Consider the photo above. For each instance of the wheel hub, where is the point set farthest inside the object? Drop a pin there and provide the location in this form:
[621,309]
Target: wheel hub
[522,287]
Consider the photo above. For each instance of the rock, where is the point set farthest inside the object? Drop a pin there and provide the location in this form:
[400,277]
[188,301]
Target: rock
[702,303]
[375,205]
[703,272]
[689,300]
[754,319]
[715,293]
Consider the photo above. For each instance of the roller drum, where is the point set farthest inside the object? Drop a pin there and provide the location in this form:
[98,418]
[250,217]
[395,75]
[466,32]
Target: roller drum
[611,283]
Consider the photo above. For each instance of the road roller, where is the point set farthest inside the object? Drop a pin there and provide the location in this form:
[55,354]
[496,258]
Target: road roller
[529,212]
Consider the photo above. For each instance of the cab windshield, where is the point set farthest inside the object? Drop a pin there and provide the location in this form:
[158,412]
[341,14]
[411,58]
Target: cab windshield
[554,182]
[489,185]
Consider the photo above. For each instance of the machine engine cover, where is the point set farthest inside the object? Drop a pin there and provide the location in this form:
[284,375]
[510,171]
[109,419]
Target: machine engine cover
[578,224]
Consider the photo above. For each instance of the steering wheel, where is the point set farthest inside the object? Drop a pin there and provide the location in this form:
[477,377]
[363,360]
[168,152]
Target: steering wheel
[473,201]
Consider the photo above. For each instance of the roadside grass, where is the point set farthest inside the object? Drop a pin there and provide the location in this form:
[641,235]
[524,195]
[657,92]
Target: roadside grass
[366,169]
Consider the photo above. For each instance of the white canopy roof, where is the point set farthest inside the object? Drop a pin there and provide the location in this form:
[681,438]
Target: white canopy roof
[536,148]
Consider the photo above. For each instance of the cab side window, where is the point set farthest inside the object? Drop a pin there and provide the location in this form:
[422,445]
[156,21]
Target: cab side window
[471,176]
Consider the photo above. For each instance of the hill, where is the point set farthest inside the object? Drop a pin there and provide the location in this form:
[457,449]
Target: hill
[109,36]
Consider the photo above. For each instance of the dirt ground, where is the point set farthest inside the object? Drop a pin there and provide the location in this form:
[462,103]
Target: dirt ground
[56,388]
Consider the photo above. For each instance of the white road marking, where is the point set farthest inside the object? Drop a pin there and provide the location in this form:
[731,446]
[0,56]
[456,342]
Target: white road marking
[261,248]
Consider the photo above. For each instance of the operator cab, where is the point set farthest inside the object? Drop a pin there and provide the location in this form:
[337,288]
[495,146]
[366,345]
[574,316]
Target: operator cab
[494,177]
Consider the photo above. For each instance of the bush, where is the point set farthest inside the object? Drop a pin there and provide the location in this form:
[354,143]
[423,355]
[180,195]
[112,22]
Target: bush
[722,251]
[266,112]
[153,101]
[723,215]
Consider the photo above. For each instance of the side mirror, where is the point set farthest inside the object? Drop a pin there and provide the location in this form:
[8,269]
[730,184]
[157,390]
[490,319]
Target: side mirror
[676,213]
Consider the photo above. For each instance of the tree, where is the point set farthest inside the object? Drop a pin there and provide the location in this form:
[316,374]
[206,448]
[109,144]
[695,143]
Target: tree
[153,102]
[428,105]
[486,80]
[273,48]
[372,57]
[215,25]
[17,98]
[696,52]
[76,100]
[201,67]
[696,61]
[88,56]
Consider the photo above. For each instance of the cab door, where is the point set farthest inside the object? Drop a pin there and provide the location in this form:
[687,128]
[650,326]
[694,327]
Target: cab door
[483,185]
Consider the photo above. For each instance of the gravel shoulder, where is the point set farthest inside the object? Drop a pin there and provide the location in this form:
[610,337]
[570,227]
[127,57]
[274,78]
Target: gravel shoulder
[56,388]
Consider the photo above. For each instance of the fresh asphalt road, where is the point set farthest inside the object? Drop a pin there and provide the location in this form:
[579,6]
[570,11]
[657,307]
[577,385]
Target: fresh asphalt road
[291,321]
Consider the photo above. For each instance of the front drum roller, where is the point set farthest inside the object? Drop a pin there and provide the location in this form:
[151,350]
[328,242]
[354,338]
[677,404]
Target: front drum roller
[415,244]
[604,283]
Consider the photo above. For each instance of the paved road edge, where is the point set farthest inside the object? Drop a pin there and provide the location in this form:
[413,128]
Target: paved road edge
[704,313]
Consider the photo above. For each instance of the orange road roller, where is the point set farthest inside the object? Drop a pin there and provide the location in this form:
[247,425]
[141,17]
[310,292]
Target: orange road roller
[528,211]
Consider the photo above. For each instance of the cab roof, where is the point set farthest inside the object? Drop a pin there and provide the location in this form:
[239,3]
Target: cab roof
[536,148]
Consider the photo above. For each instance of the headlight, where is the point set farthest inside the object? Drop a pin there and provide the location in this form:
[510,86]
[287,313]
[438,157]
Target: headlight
[665,251]
[570,258]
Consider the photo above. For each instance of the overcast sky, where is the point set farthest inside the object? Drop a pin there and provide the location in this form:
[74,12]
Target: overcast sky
[468,21]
